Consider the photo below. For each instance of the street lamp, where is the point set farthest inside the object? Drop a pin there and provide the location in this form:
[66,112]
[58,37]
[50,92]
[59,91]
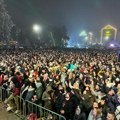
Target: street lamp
[37,29]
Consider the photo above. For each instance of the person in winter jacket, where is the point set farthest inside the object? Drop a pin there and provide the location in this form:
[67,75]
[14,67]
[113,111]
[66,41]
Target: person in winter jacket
[39,88]
[59,97]
[79,114]
[111,100]
[95,113]
[15,91]
[104,107]
[28,89]
[48,97]
[66,108]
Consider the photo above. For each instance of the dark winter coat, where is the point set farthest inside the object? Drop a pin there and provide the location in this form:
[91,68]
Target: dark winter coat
[16,89]
[29,94]
[81,116]
[58,101]
[46,94]
[67,107]
[39,90]
[105,110]
[110,102]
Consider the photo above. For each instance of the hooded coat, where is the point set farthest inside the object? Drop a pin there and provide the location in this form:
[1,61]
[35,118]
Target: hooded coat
[46,94]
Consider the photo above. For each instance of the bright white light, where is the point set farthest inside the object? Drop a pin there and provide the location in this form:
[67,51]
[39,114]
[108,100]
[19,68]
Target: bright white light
[86,38]
[112,45]
[90,33]
[37,28]
[107,38]
[83,33]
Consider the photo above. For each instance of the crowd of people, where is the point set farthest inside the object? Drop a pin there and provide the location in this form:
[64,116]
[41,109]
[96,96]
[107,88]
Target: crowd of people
[80,84]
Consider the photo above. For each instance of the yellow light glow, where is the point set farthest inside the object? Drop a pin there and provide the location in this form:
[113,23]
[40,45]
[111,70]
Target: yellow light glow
[107,32]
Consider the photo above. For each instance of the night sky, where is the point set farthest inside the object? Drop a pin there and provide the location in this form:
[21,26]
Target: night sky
[76,15]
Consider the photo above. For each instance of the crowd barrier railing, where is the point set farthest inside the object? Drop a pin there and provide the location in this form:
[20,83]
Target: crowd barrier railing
[41,113]
[0,94]
[26,109]
[3,94]
[16,102]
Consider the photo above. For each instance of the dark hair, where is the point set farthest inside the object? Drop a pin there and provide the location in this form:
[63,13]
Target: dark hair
[81,106]
[33,85]
[68,89]
[112,113]
[109,89]
[17,73]
[104,98]
[15,82]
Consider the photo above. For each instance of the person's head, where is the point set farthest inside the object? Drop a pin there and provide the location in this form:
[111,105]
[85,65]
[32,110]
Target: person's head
[60,87]
[118,85]
[113,69]
[49,89]
[15,82]
[87,89]
[5,77]
[95,105]
[102,101]
[110,115]
[31,79]
[119,99]
[37,78]
[57,77]
[79,109]
[67,96]
[97,87]
[110,91]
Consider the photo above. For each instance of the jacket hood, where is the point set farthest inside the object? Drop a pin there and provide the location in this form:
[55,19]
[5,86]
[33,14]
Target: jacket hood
[49,88]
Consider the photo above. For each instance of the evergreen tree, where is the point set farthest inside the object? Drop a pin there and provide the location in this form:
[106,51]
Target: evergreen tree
[6,23]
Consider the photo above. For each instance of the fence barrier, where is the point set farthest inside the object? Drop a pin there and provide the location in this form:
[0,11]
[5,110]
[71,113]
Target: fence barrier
[14,103]
[3,94]
[43,113]
[27,110]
